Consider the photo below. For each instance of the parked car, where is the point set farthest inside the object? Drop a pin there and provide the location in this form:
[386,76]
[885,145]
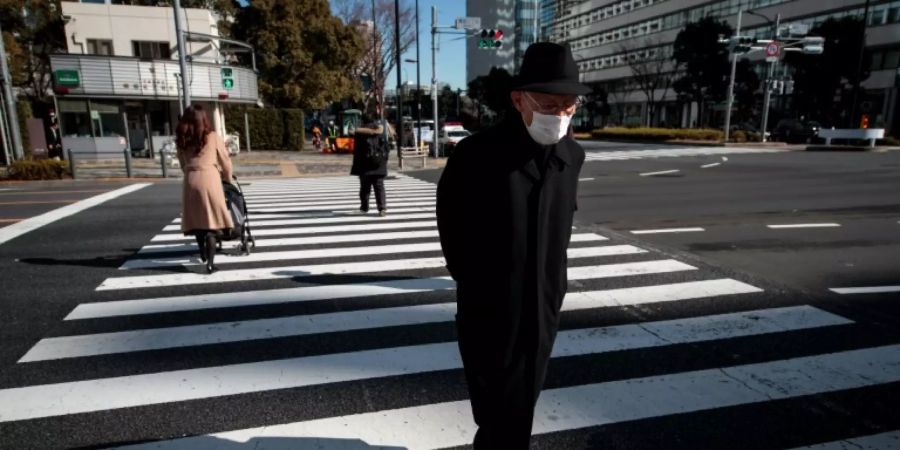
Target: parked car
[450,136]
[795,131]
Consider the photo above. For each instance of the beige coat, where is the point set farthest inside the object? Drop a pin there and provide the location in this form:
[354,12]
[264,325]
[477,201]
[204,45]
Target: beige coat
[203,200]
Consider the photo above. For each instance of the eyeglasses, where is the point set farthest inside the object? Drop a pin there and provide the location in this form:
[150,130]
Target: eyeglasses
[554,108]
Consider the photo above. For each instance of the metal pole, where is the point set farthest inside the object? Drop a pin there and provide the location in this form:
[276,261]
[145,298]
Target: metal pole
[127,145]
[12,114]
[418,84]
[164,160]
[4,135]
[71,157]
[434,99]
[859,64]
[149,134]
[768,87]
[399,128]
[734,58]
[186,98]
[247,130]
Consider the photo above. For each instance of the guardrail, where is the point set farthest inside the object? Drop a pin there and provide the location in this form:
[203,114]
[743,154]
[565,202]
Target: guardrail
[164,158]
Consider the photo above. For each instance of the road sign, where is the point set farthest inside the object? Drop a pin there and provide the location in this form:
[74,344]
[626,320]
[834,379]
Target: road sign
[773,50]
[468,23]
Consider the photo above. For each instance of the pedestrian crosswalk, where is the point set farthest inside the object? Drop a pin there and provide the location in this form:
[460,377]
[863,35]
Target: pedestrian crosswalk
[337,333]
[673,152]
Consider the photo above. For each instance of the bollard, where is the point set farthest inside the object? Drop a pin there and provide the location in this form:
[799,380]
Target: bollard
[163,158]
[128,163]
[71,162]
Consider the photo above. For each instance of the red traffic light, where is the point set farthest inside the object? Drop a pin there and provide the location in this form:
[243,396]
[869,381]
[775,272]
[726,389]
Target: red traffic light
[498,34]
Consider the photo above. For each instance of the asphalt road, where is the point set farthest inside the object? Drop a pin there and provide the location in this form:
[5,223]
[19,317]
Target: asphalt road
[337,333]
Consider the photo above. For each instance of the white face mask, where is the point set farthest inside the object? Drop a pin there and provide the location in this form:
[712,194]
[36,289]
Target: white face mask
[547,129]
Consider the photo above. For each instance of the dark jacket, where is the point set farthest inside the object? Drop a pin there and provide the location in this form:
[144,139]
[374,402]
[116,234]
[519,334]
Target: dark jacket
[505,225]
[361,164]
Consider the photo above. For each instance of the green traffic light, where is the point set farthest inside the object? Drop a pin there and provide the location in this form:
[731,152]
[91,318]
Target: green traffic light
[228,83]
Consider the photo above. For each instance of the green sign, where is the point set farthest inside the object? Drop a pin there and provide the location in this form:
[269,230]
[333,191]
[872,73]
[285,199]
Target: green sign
[227,80]
[68,78]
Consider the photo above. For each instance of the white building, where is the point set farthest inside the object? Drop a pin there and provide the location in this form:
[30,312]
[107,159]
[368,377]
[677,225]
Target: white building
[120,77]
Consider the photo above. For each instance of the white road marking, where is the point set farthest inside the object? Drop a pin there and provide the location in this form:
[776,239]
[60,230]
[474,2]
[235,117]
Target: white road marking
[450,424]
[256,224]
[314,230]
[272,273]
[866,290]
[331,202]
[17,229]
[881,441]
[667,230]
[878,365]
[215,333]
[662,172]
[288,208]
[707,166]
[585,179]
[805,225]
[351,194]
[346,212]
[368,250]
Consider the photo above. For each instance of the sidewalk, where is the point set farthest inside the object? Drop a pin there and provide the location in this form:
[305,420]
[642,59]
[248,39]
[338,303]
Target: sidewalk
[255,164]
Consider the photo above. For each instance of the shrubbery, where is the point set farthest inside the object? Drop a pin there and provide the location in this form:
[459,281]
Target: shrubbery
[270,128]
[659,134]
[38,169]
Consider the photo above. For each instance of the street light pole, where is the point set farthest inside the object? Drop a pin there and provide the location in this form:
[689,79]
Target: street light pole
[768,87]
[399,129]
[179,38]
[434,99]
[859,64]
[734,58]
[418,84]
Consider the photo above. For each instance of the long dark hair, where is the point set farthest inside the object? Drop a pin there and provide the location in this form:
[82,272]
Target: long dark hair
[193,127]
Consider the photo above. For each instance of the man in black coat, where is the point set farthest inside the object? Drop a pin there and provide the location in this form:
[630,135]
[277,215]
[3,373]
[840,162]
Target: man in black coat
[505,204]
[371,174]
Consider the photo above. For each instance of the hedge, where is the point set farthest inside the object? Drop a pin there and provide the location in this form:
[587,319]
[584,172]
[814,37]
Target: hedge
[23,110]
[658,134]
[38,169]
[270,128]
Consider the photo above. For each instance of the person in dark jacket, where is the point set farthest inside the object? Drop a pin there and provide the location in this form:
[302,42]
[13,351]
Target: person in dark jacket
[370,174]
[505,205]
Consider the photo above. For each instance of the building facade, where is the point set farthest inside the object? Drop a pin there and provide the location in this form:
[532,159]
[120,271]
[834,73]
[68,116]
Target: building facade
[119,84]
[606,34]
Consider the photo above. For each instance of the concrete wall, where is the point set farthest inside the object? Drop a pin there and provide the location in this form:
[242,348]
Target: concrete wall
[124,23]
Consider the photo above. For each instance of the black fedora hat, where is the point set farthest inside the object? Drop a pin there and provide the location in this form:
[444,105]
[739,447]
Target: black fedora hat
[549,68]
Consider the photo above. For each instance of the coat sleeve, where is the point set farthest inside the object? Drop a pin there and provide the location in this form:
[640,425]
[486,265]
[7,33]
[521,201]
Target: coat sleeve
[450,214]
[224,160]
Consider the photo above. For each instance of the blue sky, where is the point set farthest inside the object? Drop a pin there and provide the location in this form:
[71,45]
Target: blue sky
[451,60]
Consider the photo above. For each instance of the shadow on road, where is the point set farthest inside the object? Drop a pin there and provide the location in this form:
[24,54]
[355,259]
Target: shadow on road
[279,443]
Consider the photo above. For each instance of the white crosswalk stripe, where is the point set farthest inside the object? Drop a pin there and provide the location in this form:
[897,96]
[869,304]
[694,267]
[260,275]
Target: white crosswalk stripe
[672,153]
[397,302]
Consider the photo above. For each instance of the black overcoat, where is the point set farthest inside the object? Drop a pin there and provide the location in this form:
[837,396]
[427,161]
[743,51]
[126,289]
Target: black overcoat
[504,226]
[361,164]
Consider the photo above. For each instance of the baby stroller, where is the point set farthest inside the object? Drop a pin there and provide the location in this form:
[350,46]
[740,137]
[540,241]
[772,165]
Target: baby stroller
[234,198]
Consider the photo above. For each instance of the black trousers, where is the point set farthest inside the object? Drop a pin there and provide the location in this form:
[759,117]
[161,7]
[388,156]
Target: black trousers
[366,182]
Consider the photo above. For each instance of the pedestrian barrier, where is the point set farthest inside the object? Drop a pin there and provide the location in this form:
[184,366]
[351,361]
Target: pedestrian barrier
[103,159]
[414,152]
[868,134]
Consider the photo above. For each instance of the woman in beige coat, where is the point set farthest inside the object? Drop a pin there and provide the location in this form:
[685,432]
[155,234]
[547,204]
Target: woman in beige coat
[205,163]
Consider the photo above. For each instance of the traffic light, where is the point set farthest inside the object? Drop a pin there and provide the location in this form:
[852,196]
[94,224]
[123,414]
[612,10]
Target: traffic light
[227,78]
[864,121]
[740,44]
[813,45]
[788,87]
[491,39]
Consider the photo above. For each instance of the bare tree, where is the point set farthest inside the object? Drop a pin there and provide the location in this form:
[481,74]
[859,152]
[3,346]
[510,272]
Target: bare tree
[651,72]
[380,55]
[617,94]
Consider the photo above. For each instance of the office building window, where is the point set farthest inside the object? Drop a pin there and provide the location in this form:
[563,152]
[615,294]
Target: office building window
[99,47]
[151,49]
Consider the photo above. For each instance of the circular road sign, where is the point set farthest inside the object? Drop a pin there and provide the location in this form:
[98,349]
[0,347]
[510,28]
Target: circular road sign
[773,49]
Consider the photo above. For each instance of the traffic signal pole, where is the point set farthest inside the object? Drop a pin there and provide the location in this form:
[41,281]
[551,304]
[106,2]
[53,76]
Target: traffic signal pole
[734,58]
[398,138]
[182,64]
